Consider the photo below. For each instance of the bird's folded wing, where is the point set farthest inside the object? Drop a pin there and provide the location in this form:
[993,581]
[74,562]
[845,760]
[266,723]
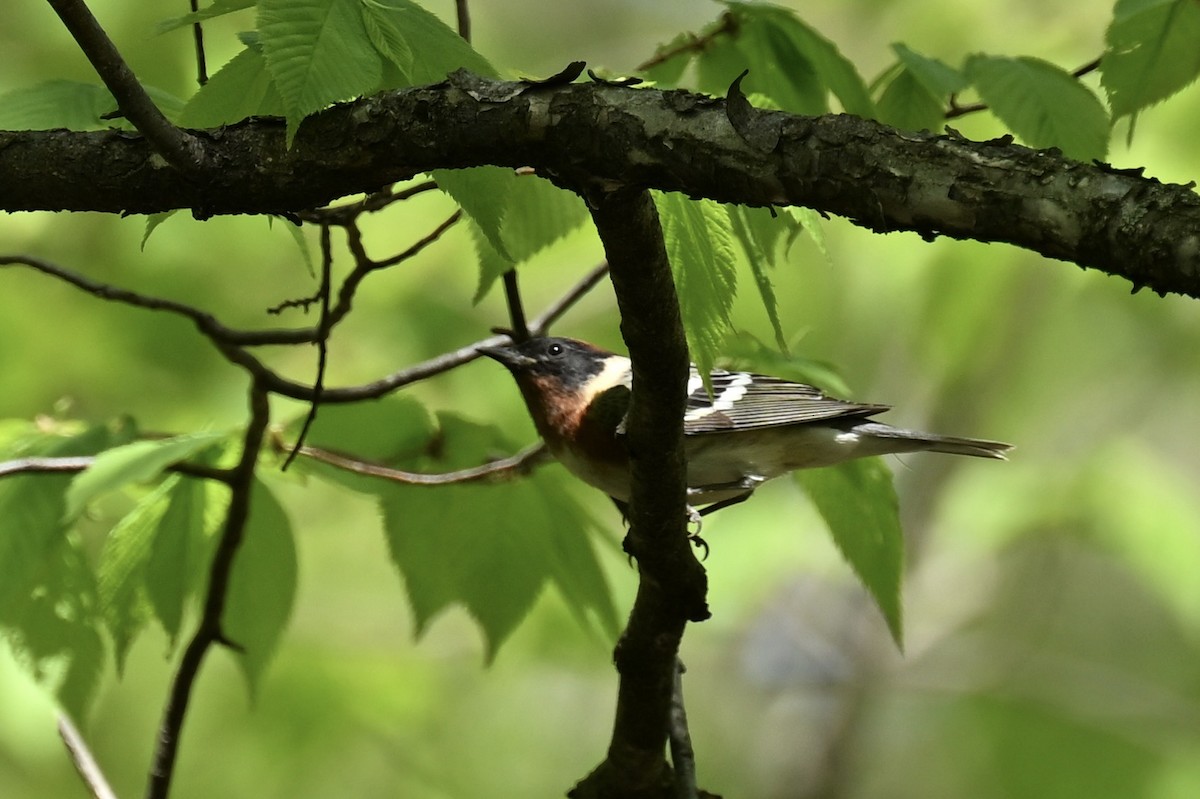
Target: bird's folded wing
[744,401]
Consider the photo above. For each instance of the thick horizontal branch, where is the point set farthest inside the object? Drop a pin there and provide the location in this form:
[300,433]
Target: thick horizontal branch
[597,138]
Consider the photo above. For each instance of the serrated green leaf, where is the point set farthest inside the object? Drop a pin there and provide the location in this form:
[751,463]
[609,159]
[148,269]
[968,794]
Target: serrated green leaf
[1041,103]
[297,234]
[240,89]
[217,8]
[132,463]
[453,545]
[176,565]
[858,503]
[1152,52]
[438,50]
[483,194]
[262,586]
[388,37]
[492,265]
[779,69]
[907,104]
[121,573]
[799,49]
[699,242]
[758,258]
[318,52]
[539,214]
[48,598]
[937,77]
[152,223]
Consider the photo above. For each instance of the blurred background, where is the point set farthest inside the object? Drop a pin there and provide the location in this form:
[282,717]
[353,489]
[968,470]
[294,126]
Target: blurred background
[1052,607]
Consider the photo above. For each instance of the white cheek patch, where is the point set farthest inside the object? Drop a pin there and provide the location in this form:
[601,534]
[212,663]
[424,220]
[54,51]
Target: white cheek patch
[614,373]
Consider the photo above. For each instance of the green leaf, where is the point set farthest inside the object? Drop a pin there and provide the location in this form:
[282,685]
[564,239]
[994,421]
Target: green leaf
[907,103]
[240,89]
[799,48]
[176,564]
[858,502]
[386,430]
[49,605]
[297,234]
[491,548]
[699,241]
[938,78]
[318,52]
[434,49]
[152,223]
[539,214]
[218,8]
[72,105]
[667,73]
[483,194]
[121,573]
[132,463]
[759,255]
[1152,52]
[1044,105]
[262,587]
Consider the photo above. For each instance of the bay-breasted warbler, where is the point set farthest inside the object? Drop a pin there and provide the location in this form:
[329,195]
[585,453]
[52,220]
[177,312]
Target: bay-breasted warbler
[752,428]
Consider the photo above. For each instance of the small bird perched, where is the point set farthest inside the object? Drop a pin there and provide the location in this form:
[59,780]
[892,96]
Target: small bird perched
[752,429]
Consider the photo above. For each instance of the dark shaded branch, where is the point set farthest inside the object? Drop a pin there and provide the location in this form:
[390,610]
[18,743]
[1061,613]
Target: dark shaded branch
[672,584]
[323,327]
[494,471]
[516,309]
[85,763]
[597,138]
[179,148]
[208,632]
[464,19]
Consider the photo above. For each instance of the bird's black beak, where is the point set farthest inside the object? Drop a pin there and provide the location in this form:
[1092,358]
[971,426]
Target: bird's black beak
[509,356]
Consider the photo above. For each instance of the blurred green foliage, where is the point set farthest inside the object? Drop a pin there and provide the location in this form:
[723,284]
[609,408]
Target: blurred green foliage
[1051,609]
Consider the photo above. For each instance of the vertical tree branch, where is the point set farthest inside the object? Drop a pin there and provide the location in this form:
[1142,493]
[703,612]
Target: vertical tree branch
[672,586]
[180,149]
[209,630]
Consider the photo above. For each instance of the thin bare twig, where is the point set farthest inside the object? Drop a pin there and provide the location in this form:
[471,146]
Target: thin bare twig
[494,471]
[85,762]
[77,463]
[344,214]
[198,40]
[209,630]
[955,110]
[180,149]
[324,326]
[693,43]
[464,19]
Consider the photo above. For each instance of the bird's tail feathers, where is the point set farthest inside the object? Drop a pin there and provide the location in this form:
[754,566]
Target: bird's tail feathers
[977,447]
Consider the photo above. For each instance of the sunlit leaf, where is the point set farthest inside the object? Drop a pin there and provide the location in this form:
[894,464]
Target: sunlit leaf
[539,214]
[483,193]
[217,8]
[72,105]
[318,52]
[938,78]
[491,547]
[240,89]
[121,573]
[759,255]
[418,43]
[176,565]
[1041,103]
[1152,52]
[699,242]
[906,103]
[262,587]
[858,502]
[132,463]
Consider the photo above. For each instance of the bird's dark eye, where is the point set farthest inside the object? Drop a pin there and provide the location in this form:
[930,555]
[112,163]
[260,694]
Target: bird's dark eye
[555,349]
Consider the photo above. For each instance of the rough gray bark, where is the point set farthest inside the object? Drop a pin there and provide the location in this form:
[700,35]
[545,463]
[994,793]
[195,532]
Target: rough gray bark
[597,138]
